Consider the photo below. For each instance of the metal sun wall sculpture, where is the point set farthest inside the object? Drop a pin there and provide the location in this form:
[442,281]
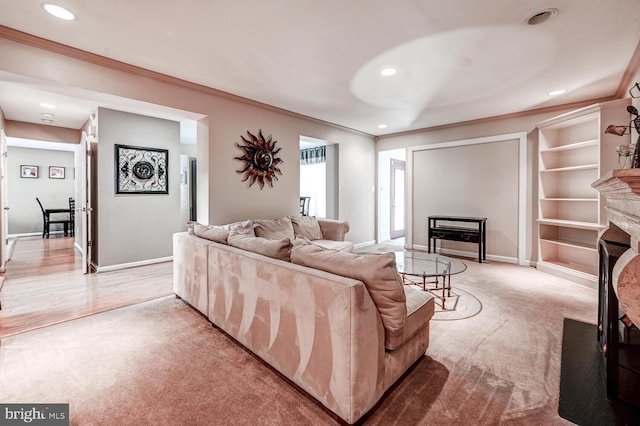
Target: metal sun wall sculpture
[141,170]
[260,158]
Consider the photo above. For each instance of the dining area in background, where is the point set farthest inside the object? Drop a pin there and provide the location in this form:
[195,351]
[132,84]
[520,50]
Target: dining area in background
[58,216]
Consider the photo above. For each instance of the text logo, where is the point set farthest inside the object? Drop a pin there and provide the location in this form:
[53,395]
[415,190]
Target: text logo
[34,414]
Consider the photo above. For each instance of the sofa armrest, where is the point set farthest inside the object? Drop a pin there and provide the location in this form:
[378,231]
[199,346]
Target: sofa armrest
[190,258]
[333,229]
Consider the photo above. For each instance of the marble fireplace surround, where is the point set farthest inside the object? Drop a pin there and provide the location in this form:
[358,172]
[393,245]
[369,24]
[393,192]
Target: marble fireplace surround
[621,189]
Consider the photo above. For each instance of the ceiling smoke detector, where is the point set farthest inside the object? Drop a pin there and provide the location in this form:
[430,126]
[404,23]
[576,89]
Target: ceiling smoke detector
[542,16]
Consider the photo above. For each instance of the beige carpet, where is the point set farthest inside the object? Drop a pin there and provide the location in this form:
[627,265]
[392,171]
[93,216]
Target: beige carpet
[159,362]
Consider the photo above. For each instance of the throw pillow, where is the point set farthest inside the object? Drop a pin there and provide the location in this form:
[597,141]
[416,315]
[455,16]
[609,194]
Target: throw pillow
[274,229]
[306,226]
[245,227]
[190,225]
[277,249]
[215,233]
[378,272]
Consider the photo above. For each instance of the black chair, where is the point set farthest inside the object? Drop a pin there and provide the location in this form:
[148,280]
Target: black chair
[47,221]
[304,205]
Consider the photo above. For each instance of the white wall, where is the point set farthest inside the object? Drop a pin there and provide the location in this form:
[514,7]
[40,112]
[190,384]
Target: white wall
[25,215]
[479,180]
[135,227]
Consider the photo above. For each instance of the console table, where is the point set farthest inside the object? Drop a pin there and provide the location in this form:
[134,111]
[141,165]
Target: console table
[459,233]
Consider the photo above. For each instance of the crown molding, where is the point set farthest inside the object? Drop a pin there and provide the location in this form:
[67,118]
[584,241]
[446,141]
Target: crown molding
[520,114]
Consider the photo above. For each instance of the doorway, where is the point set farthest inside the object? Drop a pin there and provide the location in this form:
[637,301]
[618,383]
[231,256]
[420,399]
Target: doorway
[391,195]
[54,181]
[319,176]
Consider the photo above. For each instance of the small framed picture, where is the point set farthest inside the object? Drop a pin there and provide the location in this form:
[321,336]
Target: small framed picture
[56,172]
[29,172]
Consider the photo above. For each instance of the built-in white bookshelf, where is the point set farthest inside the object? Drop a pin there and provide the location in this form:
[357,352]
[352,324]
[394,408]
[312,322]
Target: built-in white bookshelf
[573,152]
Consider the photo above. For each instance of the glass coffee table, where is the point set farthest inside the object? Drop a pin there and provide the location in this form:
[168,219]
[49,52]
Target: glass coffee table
[428,269]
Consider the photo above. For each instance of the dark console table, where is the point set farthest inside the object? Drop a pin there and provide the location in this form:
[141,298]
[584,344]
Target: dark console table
[477,234]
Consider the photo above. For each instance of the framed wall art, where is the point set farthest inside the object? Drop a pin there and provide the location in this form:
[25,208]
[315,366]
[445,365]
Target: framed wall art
[29,172]
[140,170]
[56,172]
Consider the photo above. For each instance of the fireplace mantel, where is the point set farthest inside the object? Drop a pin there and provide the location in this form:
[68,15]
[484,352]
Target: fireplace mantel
[621,190]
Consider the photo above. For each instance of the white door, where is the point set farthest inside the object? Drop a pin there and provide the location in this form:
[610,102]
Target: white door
[397,198]
[4,203]
[83,202]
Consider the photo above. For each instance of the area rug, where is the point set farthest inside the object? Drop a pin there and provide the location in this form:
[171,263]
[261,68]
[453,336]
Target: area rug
[583,395]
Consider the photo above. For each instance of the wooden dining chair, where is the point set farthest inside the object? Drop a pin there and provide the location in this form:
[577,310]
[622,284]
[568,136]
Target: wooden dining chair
[304,206]
[47,221]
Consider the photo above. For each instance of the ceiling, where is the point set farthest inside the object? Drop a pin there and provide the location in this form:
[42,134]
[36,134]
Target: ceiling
[456,60]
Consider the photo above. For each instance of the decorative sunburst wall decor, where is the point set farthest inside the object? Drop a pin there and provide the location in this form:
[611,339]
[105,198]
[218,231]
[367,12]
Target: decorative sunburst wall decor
[260,158]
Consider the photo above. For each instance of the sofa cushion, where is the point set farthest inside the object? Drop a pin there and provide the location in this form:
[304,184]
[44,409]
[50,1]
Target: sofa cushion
[334,245]
[215,233]
[306,226]
[378,272]
[277,249]
[420,309]
[245,227]
[274,229]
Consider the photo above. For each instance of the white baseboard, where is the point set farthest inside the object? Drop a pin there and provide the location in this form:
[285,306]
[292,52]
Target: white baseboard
[578,277]
[32,234]
[120,266]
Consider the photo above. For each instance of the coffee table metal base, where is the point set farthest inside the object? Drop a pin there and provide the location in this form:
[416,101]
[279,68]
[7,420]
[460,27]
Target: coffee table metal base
[445,281]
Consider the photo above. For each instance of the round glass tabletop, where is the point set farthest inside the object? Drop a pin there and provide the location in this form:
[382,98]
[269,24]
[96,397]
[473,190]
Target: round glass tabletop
[428,264]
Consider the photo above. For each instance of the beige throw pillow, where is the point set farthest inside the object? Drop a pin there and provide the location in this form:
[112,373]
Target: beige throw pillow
[274,229]
[215,233]
[307,227]
[277,249]
[190,225]
[378,272]
[245,227]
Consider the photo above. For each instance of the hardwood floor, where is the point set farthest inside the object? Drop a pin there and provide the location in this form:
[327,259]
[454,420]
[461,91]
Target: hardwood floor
[44,285]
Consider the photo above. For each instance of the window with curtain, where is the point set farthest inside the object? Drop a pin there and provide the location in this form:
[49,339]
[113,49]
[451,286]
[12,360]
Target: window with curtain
[313,155]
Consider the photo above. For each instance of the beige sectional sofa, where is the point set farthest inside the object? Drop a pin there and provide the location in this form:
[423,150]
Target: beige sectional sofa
[340,325]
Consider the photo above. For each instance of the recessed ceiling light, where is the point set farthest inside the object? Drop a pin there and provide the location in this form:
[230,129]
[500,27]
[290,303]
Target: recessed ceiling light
[47,121]
[557,92]
[388,72]
[382,126]
[59,11]
[48,106]
[542,16]
[46,116]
